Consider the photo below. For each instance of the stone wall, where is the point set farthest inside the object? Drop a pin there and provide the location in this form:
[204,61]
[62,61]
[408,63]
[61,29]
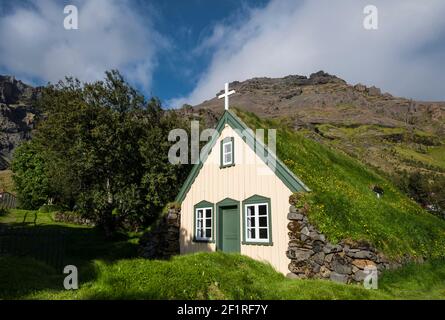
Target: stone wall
[162,241]
[313,256]
[72,217]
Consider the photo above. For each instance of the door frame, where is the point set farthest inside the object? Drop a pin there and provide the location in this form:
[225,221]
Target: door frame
[227,202]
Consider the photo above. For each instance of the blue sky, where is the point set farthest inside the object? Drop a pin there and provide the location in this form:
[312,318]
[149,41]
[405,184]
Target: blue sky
[184,50]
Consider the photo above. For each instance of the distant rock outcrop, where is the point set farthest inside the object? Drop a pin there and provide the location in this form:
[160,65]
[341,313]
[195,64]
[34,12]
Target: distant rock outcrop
[17,115]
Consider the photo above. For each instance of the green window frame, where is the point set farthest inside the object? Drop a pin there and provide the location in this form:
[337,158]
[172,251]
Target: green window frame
[257,221]
[201,219]
[224,163]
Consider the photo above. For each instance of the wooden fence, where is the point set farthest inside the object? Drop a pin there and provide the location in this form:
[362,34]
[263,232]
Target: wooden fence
[7,200]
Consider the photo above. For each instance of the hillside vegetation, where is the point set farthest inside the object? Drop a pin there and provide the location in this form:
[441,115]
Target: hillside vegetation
[343,205]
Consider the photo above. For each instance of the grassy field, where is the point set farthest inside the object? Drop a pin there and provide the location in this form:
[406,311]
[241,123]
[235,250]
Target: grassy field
[111,270]
[343,205]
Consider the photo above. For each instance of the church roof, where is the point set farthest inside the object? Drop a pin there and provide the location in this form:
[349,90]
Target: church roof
[280,169]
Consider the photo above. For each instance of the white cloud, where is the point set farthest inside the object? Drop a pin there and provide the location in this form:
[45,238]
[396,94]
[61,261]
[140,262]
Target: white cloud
[404,56]
[111,34]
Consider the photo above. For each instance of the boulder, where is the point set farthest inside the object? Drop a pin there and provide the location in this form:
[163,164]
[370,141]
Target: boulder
[374,91]
[325,272]
[293,226]
[362,263]
[328,257]
[294,216]
[319,258]
[340,278]
[361,254]
[305,231]
[340,265]
[299,254]
[359,276]
[360,87]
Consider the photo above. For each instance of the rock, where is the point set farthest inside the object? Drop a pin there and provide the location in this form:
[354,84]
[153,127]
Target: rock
[316,268]
[292,209]
[340,278]
[299,254]
[362,263]
[292,236]
[360,87]
[361,254]
[340,265]
[325,272]
[314,235]
[318,246]
[294,216]
[359,276]
[319,258]
[299,267]
[328,257]
[305,231]
[327,248]
[291,275]
[374,91]
[294,243]
[293,226]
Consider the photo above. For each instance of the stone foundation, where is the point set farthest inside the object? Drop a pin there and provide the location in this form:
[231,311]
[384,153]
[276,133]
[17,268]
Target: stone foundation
[313,256]
[163,241]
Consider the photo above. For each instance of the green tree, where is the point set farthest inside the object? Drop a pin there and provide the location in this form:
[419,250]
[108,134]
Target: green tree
[105,151]
[30,176]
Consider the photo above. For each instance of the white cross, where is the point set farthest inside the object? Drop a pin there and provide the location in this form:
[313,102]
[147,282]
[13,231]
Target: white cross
[226,95]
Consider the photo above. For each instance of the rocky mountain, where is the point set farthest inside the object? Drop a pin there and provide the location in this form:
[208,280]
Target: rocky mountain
[17,115]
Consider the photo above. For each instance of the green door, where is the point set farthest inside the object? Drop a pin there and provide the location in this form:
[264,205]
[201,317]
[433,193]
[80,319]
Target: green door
[229,230]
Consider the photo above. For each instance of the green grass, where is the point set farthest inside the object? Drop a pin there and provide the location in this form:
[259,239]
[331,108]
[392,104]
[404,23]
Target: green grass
[207,276]
[6,182]
[343,204]
[434,156]
[111,270]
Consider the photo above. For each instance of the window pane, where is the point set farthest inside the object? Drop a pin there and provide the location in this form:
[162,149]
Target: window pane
[228,158]
[250,211]
[263,221]
[262,209]
[199,223]
[199,233]
[208,233]
[208,223]
[251,233]
[263,233]
[199,214]
[209,213]
[228,148]
[251,222]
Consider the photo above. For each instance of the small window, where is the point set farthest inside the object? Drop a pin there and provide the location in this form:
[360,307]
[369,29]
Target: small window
[227,152]
[257,222]
[203,224]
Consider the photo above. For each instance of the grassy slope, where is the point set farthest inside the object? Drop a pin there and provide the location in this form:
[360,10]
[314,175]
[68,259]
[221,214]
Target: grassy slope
[6,182]
[343,204]
[110,270]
